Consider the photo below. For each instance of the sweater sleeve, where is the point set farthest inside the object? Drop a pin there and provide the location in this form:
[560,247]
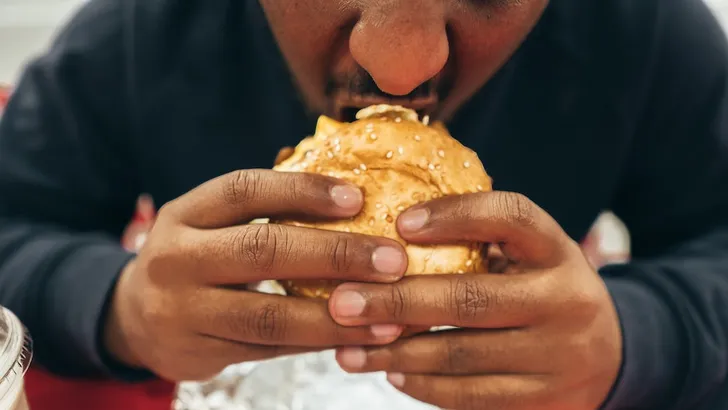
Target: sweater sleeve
[672,298]
[67,189]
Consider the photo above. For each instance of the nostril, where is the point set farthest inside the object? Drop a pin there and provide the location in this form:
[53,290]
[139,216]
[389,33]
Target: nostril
[400,65]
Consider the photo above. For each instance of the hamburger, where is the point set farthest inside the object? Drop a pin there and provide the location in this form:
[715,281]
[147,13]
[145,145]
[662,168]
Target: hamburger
[398,161]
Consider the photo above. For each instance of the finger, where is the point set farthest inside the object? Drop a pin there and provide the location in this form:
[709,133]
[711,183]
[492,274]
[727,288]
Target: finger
[409,331]
[241,196]
[525,231]
[471,300]
[209,356]
[453,352]
[274,320]
[228,352]
[510,392]
[258,252]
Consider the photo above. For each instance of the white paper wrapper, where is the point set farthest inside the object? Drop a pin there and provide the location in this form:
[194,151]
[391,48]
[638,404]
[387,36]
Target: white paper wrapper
[304,382]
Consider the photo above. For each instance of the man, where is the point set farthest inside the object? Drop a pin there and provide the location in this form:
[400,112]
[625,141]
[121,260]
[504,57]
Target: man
[574,107]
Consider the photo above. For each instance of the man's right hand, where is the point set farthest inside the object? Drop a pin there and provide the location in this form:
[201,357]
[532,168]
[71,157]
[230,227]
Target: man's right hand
[178,310]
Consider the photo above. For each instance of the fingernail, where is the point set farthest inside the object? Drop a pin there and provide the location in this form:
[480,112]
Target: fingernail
[414,220]
[388,260]
[396,379]
[386,331]
[352,357]
[349,304]
[346,196]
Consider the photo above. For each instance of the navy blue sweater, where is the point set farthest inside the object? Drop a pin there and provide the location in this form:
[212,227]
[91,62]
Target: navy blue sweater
[618,104]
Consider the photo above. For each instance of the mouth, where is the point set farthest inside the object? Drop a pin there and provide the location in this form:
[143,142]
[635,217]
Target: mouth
[347,104]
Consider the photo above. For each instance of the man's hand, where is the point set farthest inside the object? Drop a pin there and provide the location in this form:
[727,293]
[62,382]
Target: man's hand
[544,336]
[179,309]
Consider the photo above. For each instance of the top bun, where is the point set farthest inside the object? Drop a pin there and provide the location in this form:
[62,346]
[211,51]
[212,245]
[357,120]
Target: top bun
[398,161]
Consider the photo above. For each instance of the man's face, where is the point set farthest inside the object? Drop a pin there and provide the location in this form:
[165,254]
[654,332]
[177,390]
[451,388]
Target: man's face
[430,55]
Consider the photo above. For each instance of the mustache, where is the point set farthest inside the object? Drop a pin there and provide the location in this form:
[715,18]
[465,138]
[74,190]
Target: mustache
[361,83]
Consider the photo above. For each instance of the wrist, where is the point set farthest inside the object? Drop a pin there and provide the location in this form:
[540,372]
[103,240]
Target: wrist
[117,334]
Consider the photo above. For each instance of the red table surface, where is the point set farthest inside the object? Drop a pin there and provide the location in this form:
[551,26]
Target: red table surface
[47,392]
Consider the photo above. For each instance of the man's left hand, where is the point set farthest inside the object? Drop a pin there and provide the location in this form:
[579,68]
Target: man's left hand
[544,336]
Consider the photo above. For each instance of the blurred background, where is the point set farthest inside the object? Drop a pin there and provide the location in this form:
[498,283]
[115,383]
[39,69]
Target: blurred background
[26,26]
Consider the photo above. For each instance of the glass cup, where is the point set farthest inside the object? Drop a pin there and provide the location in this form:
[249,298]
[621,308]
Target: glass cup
[16,351]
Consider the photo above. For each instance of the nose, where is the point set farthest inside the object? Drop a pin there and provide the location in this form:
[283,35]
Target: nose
[401,47]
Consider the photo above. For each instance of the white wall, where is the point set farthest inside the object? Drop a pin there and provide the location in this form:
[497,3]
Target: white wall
[26,26]
[721,9]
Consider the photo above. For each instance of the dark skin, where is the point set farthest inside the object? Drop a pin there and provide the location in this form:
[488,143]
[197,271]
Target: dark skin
[545,335]
[179,309]
[458,42]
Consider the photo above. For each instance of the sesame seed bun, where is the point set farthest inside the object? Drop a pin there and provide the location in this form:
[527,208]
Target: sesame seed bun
[398,161]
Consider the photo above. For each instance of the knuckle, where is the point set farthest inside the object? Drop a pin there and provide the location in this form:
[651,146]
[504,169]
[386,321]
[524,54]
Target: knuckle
[268,323]
[461,207]
[515,209]
[582,304]
[260,246]
[342,254]
[240,185]
[396,304]
[469,300]
[166,212]
[295,186]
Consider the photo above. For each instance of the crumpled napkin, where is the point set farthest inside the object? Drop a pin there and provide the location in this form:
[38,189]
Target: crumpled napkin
[304,382]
